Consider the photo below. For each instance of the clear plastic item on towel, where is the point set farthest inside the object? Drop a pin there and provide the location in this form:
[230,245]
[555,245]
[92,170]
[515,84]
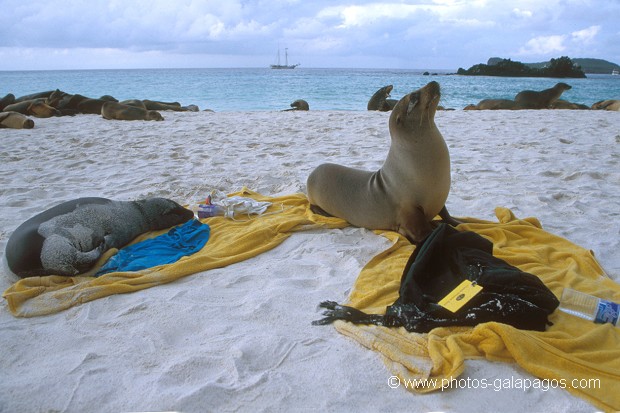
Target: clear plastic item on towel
[219,204]
[589,307]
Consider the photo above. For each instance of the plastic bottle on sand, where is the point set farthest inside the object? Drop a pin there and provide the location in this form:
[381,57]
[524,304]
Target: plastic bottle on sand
[206,211]
[589,307]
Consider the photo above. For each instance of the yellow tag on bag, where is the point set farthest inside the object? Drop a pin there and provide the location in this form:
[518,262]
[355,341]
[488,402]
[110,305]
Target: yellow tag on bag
[458,297]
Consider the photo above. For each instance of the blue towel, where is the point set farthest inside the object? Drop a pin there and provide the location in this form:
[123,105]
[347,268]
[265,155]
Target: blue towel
[167,248]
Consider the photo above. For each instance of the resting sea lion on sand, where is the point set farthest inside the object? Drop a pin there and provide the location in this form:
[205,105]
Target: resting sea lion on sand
[70,102]
[119,111]
[90,106]
[108,98]
[493,104]
[42,110]
[55,99]
[378,101]
[411,187]
[35,107]
[154,105]
[564,104]
[32,96]
[610,104]
[392,102]
[69,238]
[21,107]
[15,120]
[530,99]
[299,104]
[134,102]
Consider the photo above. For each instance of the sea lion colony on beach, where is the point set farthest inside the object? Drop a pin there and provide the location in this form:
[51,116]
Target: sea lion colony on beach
[544,99]
[58,103]
[527,99]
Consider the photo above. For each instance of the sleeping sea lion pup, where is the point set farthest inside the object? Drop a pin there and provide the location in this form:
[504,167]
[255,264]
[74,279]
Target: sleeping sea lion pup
[379,101]
[15,120]
[530,99]
[411,187]
[69,238]
[119,111]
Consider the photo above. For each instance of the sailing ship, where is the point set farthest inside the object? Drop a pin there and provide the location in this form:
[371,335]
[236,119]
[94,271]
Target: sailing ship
[285,65]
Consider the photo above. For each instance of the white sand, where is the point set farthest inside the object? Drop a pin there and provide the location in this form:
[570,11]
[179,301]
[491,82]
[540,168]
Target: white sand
[239,338]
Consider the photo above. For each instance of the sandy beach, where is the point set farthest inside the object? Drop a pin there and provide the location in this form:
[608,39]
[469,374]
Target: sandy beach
[240,338]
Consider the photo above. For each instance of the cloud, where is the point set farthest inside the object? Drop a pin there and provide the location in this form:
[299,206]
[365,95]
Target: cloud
[585,36]
[547,45]
[522,14]
[409,33]
[363,15]
[544,45]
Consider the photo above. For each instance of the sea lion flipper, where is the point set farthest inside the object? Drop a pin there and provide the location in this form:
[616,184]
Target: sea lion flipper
[447,218]
[85,260]
[414,225]
[319,211]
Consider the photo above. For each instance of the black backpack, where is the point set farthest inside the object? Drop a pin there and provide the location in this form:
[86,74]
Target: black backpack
[437,268]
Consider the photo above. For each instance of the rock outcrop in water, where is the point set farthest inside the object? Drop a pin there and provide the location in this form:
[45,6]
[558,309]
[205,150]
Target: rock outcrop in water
[562,67]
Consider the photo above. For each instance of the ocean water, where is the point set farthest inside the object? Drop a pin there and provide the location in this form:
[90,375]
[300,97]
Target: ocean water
[263,89]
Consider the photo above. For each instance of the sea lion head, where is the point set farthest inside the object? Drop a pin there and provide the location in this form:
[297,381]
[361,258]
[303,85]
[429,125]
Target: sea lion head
[41,110]
[378,99]
[28,124]
[386,90]
[164,213]
[563,86]
[415,112]
[154,115]
[300,104]
[55,98]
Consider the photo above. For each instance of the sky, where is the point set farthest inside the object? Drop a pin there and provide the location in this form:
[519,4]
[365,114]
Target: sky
[416,34]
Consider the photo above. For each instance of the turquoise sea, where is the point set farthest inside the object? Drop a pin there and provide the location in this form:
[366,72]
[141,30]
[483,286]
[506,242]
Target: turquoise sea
[266,89]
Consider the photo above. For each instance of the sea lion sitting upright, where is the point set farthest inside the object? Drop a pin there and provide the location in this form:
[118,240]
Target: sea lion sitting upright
[69,238]
[379,101]
[530,99]
[119,111]
[411,187]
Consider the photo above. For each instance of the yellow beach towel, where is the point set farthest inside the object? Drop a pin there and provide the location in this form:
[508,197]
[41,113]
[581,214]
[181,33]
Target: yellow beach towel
[575,354]
[230,242]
